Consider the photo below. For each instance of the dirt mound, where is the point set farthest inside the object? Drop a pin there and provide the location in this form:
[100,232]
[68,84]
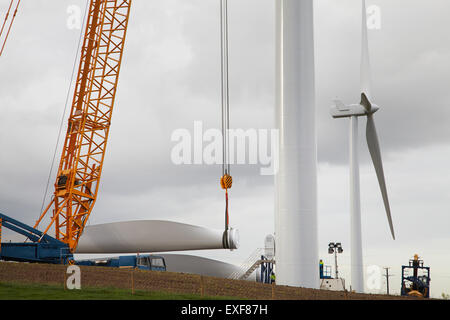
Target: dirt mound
[170,282]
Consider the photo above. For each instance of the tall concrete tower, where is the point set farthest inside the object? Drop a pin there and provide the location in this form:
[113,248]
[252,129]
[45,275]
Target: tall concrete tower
[296,181]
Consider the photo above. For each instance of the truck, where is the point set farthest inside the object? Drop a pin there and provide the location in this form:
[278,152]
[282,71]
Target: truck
[143,262]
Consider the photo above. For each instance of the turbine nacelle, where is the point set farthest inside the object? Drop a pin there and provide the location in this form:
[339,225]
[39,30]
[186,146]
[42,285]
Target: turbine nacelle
[364,108]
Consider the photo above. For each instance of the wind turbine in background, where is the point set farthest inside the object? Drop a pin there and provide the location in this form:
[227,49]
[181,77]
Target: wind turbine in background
[364,108]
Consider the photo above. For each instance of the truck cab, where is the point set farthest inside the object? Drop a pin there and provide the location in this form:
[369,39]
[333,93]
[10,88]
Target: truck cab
[151,262]
[142,262]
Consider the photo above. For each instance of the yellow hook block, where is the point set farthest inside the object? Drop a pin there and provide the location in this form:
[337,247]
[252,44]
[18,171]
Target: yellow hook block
[226,182]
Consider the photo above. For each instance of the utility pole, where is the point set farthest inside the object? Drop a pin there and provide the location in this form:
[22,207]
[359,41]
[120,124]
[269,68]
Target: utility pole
[387,275]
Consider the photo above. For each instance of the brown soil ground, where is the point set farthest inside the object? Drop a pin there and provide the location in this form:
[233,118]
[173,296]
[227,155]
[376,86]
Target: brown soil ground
[170,282]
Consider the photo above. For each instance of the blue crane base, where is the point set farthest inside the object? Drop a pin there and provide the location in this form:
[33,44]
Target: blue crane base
[40,248]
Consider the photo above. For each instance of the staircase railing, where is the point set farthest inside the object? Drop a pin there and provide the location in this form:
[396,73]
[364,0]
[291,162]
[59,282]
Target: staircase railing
[249,265]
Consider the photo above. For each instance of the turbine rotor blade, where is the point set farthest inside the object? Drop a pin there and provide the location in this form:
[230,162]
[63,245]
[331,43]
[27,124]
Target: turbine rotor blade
[365,59]
[374,149]
[153,236]
[366,103]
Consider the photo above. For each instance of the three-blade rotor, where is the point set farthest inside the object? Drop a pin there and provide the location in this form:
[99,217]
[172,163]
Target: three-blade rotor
[367,108]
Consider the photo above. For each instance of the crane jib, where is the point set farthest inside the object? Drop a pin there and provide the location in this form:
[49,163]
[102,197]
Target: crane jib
[85,143]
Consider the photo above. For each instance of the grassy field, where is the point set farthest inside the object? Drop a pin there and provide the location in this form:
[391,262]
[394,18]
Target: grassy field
[16,291]
[44,281]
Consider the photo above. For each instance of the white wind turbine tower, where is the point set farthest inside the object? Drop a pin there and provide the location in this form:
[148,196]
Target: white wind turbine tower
[296,233]
[364,108]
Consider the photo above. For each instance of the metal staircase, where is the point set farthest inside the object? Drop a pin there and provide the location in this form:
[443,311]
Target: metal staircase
[254,267]
[250,265]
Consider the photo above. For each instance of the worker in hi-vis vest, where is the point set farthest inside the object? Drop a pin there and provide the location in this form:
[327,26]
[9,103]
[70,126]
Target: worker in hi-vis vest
[272,278]
[321,268]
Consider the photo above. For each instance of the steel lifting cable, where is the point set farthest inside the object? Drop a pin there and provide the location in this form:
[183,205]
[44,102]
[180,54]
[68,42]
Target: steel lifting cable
[224,82]
[226,180]
[10,24]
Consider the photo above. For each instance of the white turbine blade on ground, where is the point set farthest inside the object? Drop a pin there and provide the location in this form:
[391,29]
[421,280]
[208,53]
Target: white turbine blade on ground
[366,82]
[183,263]
[374,149]
[151,236]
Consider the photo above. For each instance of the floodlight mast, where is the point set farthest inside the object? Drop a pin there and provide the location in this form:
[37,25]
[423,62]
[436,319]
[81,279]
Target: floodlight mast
[335,248]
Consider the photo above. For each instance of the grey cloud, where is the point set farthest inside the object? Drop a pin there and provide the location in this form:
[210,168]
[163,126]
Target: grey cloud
[171,77]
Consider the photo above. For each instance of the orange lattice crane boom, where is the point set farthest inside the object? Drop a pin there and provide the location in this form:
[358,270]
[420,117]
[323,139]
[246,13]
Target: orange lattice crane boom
[81,163]
[7,24]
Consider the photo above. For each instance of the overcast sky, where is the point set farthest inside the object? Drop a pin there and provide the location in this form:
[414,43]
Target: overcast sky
[171,77]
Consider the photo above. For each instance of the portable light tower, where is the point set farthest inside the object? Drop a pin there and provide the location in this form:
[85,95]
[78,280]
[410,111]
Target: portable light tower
[335,248]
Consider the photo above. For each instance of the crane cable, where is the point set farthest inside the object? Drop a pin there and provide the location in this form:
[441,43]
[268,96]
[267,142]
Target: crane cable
[10,24]
[226,180]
